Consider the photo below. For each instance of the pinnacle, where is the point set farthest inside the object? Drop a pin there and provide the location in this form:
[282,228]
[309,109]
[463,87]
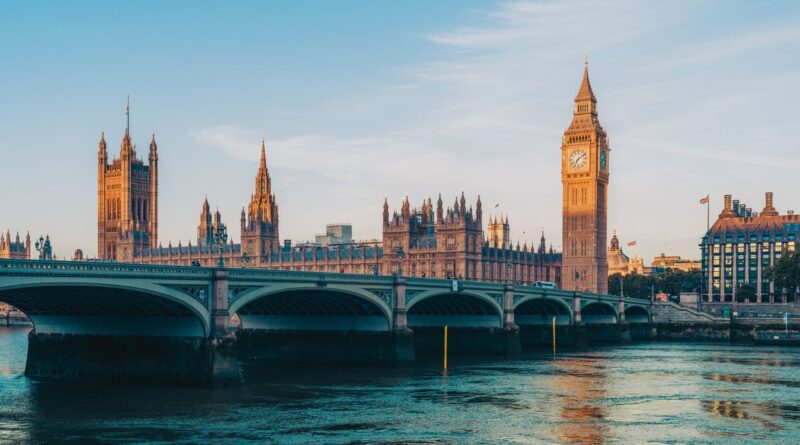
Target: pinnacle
[585,91]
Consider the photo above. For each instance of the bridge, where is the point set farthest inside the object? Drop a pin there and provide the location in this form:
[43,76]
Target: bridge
[118,320]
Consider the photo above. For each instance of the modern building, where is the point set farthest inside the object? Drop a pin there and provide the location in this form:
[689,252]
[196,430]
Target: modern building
[15,248]
[335,234]
[741,247]
[585,162]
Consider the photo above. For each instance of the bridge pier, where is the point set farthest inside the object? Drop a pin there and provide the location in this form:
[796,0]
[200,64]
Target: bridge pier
[402,341]
[184,360]
[225,367]
[513,343]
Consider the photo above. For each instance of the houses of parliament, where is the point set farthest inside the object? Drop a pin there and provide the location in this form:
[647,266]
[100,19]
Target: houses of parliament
[431,240]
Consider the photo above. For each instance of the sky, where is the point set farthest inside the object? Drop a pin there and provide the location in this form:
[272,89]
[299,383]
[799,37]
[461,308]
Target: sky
[359,100]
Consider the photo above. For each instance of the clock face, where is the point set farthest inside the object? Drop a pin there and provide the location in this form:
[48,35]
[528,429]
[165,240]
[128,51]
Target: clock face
[603,160]
[577,158]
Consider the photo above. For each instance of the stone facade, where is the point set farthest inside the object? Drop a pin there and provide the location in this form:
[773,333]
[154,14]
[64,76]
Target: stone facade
[584,178]
[127,201]
[429,241]
[15,248]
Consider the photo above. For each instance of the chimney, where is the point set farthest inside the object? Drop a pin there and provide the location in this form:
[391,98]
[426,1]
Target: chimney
[790,212]
[287,243]
[736,207]
[749,212]
[742,210]
[769,210]
[727,211]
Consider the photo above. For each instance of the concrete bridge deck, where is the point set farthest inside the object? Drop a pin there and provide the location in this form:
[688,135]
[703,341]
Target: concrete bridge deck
[90,308]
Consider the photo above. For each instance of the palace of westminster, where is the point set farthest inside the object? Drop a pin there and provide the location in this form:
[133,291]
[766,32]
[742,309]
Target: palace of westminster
[433,240]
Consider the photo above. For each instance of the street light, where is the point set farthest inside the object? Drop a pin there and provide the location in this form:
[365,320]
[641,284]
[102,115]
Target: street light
[44,248]
[220,238]
[400,255]
[245,260]
[508,272]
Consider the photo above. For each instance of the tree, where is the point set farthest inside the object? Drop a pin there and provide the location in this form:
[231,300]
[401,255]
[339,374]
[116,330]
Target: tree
[786,272]
[745,292]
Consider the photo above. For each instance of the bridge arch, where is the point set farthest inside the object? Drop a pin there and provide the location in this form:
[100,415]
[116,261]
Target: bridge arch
[540,310]
[309,307]
[637,314]
[598,312]
[457,309]
[95,307]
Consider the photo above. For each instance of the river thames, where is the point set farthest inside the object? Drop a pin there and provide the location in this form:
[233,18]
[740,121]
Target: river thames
[649,392]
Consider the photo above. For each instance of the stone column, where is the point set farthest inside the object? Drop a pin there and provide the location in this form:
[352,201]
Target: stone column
[579,329]
[624,327]
[508,307]
[218,303]
[771,263]
[758,275]
[399,318]
[402,337]
[513,344]
[224,348]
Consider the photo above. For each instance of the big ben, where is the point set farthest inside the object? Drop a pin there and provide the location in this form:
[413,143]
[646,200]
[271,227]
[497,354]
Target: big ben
[584,180]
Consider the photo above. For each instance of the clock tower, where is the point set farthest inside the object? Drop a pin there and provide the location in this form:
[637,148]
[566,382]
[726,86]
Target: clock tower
[584,181]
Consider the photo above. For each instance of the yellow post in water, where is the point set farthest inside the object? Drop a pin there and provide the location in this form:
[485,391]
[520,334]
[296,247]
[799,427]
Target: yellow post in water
[445,347]
[554,335]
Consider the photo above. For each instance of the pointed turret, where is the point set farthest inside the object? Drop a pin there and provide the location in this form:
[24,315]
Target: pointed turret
[385,210]
[153,145]
[102,144]
[585,92]
[439,210]
[262,201]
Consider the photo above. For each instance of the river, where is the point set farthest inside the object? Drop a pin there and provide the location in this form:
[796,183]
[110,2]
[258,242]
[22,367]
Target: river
[647,392]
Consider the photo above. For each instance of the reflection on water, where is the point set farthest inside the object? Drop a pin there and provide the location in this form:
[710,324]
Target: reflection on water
[579,390]
[665,393]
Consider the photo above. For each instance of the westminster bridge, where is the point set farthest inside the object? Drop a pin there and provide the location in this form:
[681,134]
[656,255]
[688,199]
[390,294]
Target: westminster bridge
[173,323]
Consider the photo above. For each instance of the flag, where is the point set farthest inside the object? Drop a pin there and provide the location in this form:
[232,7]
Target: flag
[704,200]
[632,243]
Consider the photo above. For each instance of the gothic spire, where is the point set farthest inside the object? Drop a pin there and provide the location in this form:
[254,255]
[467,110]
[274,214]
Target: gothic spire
[585,91]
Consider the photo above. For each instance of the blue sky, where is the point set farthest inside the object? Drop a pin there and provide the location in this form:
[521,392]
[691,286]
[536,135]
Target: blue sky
[358,100]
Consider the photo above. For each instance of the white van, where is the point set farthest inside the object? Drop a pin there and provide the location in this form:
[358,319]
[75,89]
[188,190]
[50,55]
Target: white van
[545,285]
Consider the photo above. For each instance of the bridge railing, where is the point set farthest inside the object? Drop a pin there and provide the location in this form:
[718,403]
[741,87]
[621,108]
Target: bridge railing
[15,267]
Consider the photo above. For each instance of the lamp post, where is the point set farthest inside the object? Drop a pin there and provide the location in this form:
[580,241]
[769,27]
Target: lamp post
[508,272]
[400,255]
[220,238]
[44,248]
[245,260]
[577,279]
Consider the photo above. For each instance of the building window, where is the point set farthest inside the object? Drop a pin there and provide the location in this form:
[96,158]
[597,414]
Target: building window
[716,248]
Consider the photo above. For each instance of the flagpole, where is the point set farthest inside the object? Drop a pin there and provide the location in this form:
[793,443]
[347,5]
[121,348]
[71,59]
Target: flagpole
[708,212]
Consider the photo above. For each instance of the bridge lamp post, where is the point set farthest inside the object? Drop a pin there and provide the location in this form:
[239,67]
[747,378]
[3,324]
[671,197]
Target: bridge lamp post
[508,272]
[245,260]
[44,248]
[400,255]
[220,238]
